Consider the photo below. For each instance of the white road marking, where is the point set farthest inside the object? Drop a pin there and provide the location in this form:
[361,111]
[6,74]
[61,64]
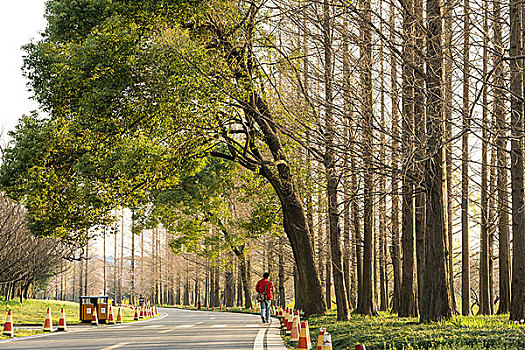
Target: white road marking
[186,326]
[154,326]
[258,344]
[200,322]
[119,345]
[218,326]
[252,326]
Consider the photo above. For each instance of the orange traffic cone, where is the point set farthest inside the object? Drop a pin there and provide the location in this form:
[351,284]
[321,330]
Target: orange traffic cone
[289,323]
[62,326]
[141,312]
[94,318]
[119,316]
[136,317]
[48,323]
[111,319]
[360,347]
[327,342]
[322,332]
[296,327]
[285,318]
[8,325]
[304,339]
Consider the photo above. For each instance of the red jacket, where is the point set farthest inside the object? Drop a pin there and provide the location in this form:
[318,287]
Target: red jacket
[269,290]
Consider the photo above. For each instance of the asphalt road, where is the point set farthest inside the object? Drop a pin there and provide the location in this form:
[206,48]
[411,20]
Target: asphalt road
[173,329]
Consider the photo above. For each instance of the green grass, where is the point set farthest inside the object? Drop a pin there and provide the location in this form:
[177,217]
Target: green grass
[390,332]
[34,311]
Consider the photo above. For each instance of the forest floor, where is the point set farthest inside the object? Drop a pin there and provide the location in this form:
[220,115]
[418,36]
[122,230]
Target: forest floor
[390,332]
[34,312]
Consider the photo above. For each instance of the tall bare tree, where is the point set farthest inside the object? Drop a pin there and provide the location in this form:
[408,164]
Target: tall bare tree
[435,301]
[517,305]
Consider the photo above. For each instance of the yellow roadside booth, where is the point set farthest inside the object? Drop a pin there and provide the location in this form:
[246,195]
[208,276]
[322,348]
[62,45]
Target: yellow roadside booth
[90,304]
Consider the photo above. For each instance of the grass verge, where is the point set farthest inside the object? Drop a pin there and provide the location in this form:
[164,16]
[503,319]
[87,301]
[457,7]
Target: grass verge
[389,332]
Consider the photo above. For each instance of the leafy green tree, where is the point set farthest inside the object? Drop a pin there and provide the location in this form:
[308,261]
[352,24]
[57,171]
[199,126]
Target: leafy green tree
[147,89]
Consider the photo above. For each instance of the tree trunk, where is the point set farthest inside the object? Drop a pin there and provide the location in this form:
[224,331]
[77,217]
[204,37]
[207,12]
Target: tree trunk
[419,130]
[408,304]
[484,301]
[121,265]
[86,270]
[216,288]
[465,249]
[104,258]
[240,300]
[365,304]
[132,291]
[517,305]
[347,105]
[396,254]
[382,257]
[229,292]
[281,290]
[502,182]
[436,293]
[448,8]
[245,283]
[115,264]
[297,291]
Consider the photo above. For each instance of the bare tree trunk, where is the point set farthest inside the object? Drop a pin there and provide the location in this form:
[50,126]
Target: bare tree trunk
[396,254]
[465,250]
[382,257]
[347,101]
[245,282]
[501,143]
[448,8]
[86,270]
[517,304]
[115,264]
[484,306]
[229,285]
[239,287]
[80,275]
[282,295]
[419,130]
[297,290]
[408,304]
[121,265]
[365,304]
[132,291]
[436,293]
[104,257]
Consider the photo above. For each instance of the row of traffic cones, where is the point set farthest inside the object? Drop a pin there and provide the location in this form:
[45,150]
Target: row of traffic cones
[145,312]
[300,333]
[62,324]
[48,323]
[111,317]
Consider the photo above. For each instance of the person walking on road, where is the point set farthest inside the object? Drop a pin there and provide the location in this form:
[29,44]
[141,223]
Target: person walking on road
[265,291]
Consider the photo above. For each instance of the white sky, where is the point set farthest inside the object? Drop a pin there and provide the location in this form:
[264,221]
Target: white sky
[20,21]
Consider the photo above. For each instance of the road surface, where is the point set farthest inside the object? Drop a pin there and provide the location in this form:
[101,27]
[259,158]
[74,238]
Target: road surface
[173,329]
